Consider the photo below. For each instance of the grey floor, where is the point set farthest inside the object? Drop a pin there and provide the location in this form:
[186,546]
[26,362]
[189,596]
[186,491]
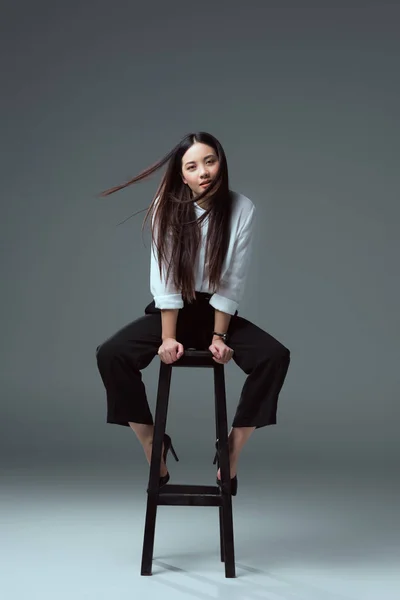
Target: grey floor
[77,532]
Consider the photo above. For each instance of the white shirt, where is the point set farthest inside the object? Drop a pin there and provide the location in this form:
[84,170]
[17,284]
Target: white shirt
[234,268]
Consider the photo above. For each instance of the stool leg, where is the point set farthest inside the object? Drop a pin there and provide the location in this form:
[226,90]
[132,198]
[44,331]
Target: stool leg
[221,534]
[149,532]
[155,464]
[226,531]
[221,521]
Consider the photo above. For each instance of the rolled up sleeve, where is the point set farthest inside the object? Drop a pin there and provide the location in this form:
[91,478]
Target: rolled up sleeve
[165,295]
[231,289]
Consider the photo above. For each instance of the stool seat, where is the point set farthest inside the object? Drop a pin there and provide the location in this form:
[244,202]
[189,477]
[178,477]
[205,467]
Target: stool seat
[190,495]
[195,358]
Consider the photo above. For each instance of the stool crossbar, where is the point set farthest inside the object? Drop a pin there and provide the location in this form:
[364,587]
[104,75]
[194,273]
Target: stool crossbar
[190,495]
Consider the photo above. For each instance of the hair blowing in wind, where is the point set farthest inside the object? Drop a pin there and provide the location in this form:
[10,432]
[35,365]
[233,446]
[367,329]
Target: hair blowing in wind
[175,228]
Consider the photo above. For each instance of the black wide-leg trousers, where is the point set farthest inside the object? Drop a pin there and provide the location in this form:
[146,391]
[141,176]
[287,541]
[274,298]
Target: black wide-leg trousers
[122,357]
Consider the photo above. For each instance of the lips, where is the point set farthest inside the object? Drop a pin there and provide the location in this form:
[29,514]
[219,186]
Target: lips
[205,183]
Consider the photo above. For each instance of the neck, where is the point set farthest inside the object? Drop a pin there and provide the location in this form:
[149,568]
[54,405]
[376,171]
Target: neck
[203,203]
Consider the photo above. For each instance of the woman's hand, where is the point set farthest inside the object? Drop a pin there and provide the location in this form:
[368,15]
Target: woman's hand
[222,354]
[170,351]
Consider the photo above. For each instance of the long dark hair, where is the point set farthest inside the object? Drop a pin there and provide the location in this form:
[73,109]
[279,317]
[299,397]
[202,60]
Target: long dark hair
[175,228]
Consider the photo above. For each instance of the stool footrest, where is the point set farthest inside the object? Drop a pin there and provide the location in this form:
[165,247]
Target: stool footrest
[189,495]
[184,488]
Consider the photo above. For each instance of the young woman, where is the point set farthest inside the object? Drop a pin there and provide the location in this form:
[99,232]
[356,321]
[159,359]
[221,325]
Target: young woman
[201,242]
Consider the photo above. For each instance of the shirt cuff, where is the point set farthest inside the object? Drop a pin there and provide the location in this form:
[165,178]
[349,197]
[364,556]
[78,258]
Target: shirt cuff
[169,301]
[224,304]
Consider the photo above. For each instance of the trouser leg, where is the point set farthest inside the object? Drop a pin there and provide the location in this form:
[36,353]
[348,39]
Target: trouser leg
[120,360]
[122,357]
[262,357]
[266,361]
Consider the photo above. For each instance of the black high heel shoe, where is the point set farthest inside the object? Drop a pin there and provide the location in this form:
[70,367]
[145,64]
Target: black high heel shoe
[234,481]
[167,446]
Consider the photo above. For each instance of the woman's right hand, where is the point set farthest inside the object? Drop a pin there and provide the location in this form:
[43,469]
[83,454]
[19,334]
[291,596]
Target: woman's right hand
[170,351]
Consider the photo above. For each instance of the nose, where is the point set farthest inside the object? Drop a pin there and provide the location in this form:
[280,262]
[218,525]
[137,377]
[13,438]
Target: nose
[203,171]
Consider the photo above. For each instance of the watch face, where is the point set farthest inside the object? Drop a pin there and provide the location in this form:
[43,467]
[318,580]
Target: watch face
[223,336]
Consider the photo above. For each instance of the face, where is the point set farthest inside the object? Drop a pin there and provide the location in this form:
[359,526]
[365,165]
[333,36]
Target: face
[200,166]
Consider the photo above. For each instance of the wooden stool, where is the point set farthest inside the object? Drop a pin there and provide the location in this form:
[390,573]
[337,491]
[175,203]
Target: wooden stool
[190,495]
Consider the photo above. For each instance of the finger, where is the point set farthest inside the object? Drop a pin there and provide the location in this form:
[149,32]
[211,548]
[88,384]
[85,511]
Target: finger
[217,353]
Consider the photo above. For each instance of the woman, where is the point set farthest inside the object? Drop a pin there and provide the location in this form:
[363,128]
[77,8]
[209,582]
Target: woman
[201,242]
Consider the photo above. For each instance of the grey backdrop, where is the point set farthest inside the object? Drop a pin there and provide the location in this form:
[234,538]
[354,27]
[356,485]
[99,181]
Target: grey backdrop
[304,97]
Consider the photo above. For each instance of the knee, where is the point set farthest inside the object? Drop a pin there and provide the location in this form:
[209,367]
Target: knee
[105,353]
[281,354]
[99,354]
[285,354]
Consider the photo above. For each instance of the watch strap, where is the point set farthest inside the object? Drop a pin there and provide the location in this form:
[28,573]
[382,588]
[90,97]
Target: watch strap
[224,336]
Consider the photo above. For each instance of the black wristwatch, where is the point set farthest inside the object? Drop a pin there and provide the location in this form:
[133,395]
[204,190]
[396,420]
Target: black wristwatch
[224,336]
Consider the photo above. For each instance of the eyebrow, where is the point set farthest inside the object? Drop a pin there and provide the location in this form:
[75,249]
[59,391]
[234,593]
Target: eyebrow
[205,158]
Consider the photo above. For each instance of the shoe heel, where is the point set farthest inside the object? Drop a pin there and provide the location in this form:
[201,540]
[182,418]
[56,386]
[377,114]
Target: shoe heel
[216,454]
[168,446]
[174,453]
[234,481]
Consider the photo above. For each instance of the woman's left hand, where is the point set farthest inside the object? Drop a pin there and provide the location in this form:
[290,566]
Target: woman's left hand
[222,354]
